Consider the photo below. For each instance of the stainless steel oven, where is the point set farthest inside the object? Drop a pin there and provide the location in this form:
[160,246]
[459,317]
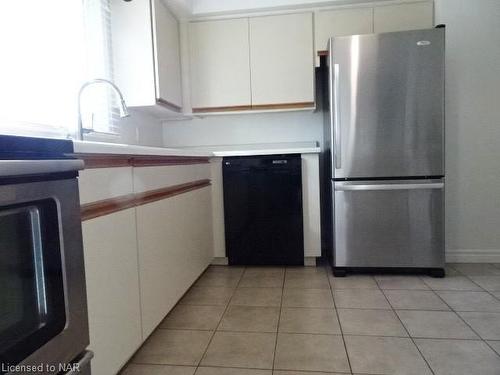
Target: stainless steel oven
[43,310]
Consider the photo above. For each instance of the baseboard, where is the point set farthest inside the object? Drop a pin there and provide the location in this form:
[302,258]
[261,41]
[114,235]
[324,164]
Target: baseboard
[473,256]
[220,261]
[310,261]
[223,261]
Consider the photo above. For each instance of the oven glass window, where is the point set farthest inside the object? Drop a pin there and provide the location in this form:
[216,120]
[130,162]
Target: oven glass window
[32,308]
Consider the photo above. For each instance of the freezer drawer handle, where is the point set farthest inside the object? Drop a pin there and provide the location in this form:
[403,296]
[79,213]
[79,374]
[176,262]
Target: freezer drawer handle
[437,185]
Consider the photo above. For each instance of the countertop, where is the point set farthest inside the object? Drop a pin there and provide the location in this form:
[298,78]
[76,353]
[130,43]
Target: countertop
[260,149]
[87,147]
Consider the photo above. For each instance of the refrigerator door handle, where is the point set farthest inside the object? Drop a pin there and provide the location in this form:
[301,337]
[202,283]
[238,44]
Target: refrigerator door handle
[371,187]
[336,117]
[330,100]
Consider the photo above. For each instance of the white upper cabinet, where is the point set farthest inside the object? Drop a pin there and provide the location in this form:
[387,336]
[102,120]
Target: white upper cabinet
[146,55]
[340,22]
[219,64]
[410,16]
[282,60]
[167,55]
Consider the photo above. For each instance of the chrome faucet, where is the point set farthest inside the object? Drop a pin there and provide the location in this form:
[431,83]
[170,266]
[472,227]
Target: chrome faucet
[123,107]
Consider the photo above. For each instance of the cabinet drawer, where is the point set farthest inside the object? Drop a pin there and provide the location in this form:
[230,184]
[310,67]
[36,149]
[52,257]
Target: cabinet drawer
[396,224]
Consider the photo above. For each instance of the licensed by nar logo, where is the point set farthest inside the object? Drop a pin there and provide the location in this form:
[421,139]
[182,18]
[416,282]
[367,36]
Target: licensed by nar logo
[40,368]
[69,367]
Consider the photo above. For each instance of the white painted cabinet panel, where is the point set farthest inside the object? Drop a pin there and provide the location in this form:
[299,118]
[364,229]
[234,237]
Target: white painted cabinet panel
[175,247]
[400,17]
[218,208]
[219,63]
[104,183]
[340,22]
[146,55]
[311,205]
[282,59]
[152,178]
[167,55]
[133,51]
[110,250]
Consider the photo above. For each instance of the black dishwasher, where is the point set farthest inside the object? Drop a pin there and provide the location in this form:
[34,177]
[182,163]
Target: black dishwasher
[263,210]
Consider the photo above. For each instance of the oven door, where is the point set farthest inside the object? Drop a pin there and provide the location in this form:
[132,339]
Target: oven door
[43,311]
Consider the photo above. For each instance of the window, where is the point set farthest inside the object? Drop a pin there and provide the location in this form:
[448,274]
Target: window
[49,48]
[99,106]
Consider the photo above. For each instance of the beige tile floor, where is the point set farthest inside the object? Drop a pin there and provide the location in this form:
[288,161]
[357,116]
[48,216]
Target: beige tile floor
[303,321]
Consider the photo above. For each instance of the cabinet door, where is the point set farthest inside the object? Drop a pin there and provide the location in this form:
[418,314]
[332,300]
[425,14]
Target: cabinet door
[132,51]
[282,59]
[167,56]
[401,17]
[175,247]
[340,22]
[219,63]
[112,277]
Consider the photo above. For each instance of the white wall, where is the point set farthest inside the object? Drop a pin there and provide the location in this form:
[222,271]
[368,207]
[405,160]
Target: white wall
[138,129]
[207,7]
[245,129]
[472,126]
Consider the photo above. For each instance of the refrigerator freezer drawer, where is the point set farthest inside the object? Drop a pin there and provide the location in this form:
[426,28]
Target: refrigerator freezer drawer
[389,224]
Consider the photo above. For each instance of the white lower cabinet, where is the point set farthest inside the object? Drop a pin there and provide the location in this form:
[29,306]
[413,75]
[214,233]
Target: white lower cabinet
[141,260]
[175,247]
[112,289]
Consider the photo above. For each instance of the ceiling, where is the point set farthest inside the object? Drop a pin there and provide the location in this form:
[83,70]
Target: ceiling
[196,8]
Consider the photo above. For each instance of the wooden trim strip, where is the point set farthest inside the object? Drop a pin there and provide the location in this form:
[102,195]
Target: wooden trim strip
[109,206]
[93,161]
[223,109]
[323,53]
[283,105]
[106,206]
[159,194]
[149,161]
[169,105]
[255,107]
[104,160]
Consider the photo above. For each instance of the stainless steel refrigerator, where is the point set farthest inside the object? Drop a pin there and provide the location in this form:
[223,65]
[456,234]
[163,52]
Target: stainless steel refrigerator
[384,151]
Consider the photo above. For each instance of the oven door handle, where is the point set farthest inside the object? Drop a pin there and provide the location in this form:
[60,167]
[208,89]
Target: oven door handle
[84,361]
[13,168]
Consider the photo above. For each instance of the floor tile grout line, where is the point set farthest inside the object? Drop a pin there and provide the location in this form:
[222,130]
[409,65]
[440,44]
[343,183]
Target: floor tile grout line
[492,348]
[471,280]
[218,324]
[338,334]
[487,291]
[340,324]
[409,336]
[279,320]
[457,312]
[468,325]
[342,334]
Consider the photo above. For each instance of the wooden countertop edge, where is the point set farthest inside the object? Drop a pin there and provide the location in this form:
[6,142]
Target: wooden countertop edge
[104,207]
[93,161]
